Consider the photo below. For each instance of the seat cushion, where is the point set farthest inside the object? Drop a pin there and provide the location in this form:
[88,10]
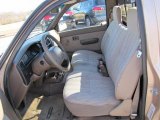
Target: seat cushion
[85,60]
[85,57]
[89,94]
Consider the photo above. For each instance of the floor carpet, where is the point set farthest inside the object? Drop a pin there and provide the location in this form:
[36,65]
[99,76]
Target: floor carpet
[45,108]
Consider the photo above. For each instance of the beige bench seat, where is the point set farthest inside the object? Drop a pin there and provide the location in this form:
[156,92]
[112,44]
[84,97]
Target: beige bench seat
[87,92]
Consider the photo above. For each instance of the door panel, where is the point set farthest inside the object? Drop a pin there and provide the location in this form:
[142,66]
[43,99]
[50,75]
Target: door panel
[87,27]
[6,111]
[83,39]
[152,15]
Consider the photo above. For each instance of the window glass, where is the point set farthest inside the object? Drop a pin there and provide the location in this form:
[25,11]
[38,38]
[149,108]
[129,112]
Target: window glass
[85,4]
[46,21]
[13,14]
[84,14]
[124,8]
[101,2]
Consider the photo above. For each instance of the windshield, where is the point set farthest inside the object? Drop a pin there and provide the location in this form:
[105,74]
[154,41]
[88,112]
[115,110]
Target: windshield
[46,21]
[13,14]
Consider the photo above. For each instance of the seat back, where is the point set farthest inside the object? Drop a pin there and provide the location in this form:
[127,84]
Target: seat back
[120,51]
[112,29]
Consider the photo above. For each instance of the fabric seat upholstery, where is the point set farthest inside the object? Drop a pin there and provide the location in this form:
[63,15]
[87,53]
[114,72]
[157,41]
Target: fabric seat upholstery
[85,57]
[88,93]
[89,57]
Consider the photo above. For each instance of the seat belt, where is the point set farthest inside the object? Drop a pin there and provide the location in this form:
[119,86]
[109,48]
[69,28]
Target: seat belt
[135,101]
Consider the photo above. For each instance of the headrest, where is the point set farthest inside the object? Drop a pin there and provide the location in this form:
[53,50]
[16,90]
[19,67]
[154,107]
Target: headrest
[132,20]
[117,16]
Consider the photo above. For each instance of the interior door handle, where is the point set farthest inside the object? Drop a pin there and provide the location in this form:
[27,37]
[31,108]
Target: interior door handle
[89,41]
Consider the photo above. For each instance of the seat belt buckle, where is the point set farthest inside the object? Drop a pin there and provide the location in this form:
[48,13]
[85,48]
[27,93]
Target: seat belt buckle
[139,54]
[133,116]
[101,61]
[99,64]
[102,68]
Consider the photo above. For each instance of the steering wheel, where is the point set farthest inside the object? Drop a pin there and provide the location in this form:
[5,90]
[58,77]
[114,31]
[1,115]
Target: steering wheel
[55,55]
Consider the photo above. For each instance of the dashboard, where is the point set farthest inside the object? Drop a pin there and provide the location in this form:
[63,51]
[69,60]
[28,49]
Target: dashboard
[22,72]
[25,64]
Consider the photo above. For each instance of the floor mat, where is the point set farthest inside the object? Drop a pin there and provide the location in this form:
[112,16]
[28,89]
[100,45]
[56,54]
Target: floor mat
[45,108]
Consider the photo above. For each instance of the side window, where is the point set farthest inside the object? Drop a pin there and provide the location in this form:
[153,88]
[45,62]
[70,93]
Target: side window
[100,2]
[85,14]
[85,5]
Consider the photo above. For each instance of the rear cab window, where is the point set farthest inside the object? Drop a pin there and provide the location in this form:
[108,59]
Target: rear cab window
[124,8]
